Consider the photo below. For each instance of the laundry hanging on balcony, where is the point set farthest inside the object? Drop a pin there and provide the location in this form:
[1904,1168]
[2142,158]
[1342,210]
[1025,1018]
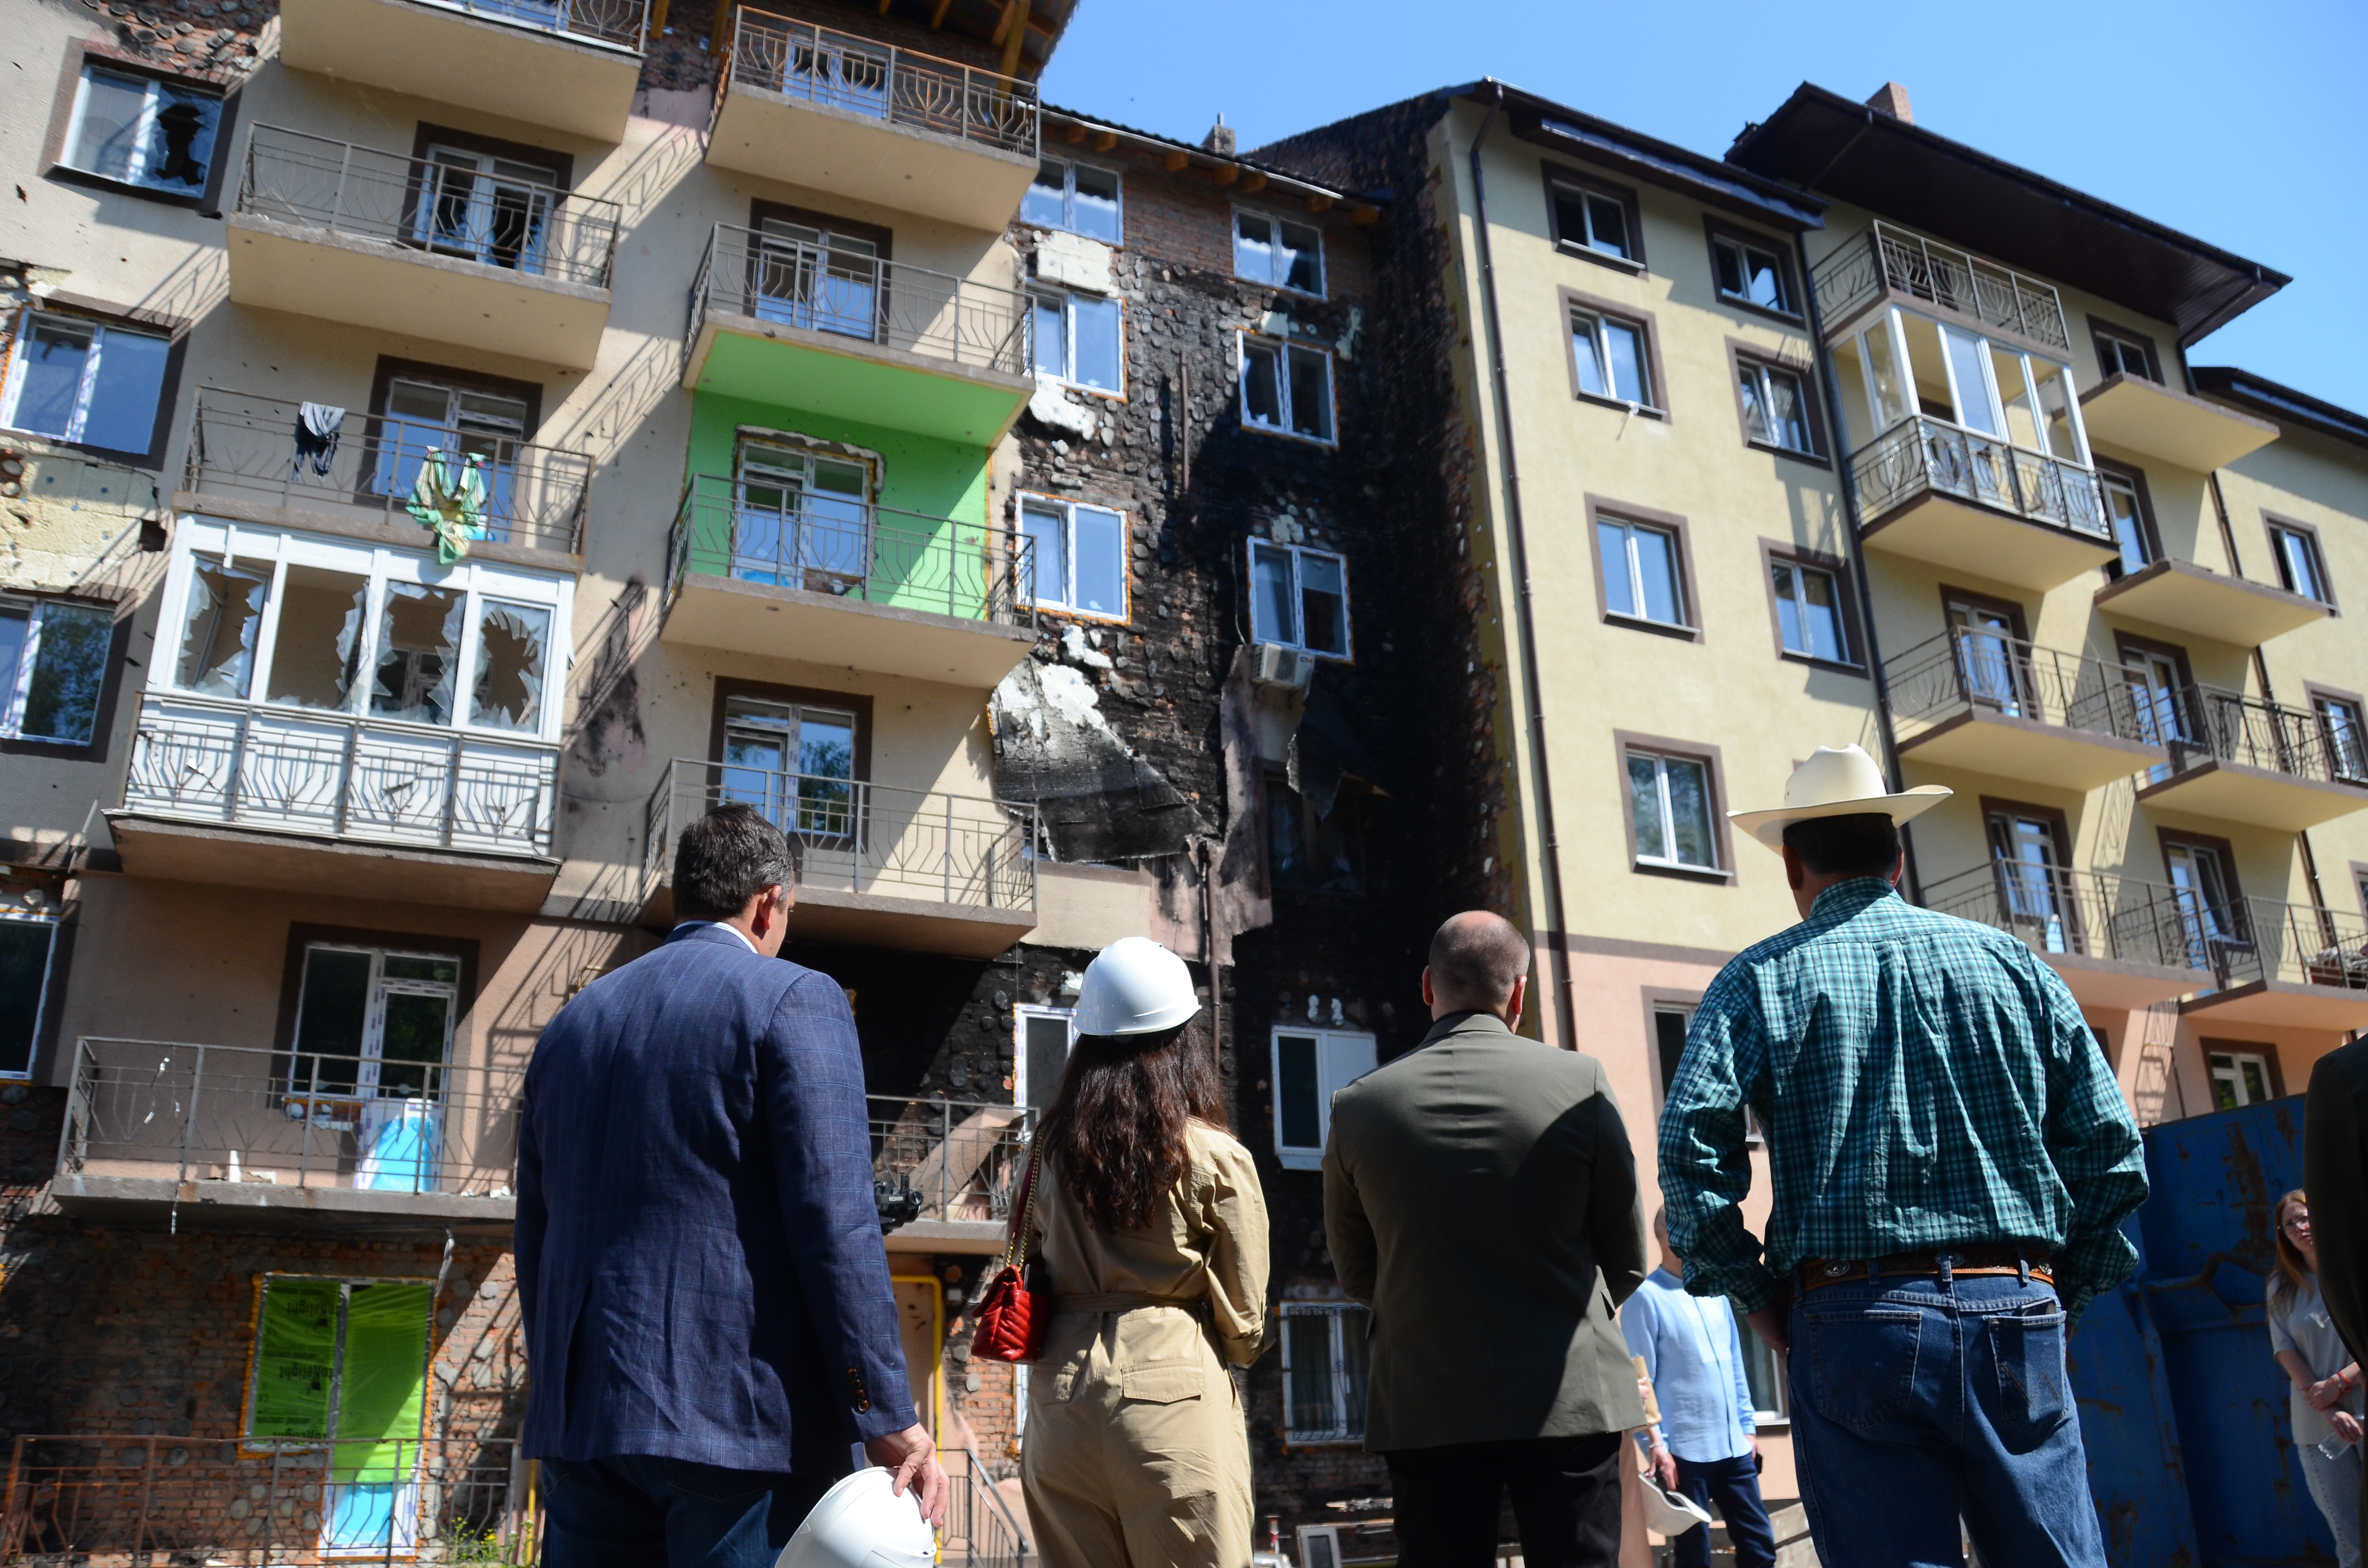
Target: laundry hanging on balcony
[317,425]
[449,499]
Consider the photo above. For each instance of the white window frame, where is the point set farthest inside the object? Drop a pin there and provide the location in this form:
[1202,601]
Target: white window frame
[1068,511]
[1348,1425]
[1661,761]
[12,388]
[273,551]
[1020,1014]
[29,658]
[1323,272]
[1283,349]
[1593,322]
[2123,484]
[1764,372]
[154,87]
[1841,611]
[1068,224]
[1586,242]
[1331,1077]
[1629,529]
[2284,542]
[2122,341]
[2346,728]
[1893,325]
[1753,1345]
[1261,632]
[41,1002]
[1039,294]
[2233,1075]
[1743,248]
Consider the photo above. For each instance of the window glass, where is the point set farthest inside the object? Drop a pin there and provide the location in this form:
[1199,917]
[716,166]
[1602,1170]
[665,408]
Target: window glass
[121,412]
[1645,807]
[1261,385]
[1773,407]
[1669,1025]
[1095,208]
[1586,355]
[16,626]
[51,357]
[1669,798]
[1751,274]
[1765,1378]
[1096,345]
[1973,406]
[1272,596]
[1808,611]
[2347,743]
[1325,1362]
[1298,264]
[1101,560]
[316,650]
[418,642]
[1051,336]
[1045,205]
[1888,389]
[1045,1036]
[2129,523]
[2014,392]
[2238,1079]
[1298,1112]
[1640,572]
[1254,243]
[1607,226]
[144,131]
[225,611]
[2056,418]
[1310,395]
[1927,369]
[61,697]
[24,947]
[332,1015]
[1307,1339]
[1043,525]
[1624,353]
[2298,563]
[513,641]
[107,138]
[1324,603]
[2118,356]
[1310,1066]
[1690,811]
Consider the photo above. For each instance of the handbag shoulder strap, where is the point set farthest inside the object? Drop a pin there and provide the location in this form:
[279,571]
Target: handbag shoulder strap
[1015,1247]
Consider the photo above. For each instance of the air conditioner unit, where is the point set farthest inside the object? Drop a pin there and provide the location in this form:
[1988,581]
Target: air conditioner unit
[1279,665]
[1319,1545]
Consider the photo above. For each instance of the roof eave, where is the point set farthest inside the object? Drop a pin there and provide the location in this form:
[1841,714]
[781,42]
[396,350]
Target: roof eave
[2281,404]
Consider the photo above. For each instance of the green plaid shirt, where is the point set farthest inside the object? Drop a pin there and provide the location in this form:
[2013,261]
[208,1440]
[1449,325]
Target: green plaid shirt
[1925,1083]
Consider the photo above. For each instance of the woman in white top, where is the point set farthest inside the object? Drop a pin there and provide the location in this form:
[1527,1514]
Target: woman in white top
[2327,1402]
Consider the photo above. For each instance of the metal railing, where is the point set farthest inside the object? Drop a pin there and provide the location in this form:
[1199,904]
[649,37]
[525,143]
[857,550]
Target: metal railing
[2092,914]
[851,548]
[301,770]
[248,448]
[235,1113]
[453,206]
[861,837]
[935,314]
[2210,724]
[95,1497]
[2293,943]
[983,1529]
[935,1159]
[860,76]
[1887,257]
[1964,671]
[1924,455]
[620,23]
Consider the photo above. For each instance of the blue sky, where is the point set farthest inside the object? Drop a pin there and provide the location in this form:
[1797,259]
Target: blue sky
[2223,122]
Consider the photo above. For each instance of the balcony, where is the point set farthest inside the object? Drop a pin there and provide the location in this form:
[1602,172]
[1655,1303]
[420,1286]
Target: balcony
[899,592]
[946,1171]
[832,111]
[2182,596]
[241,1137]
[1890,265]
[2285,965]
[793,325]
[2118,943]
[421,247]
[307,801]
[2240,759]
[1937,493]
[246,462]
[916,869]
[1998,706]
[567,65]
[2149,419]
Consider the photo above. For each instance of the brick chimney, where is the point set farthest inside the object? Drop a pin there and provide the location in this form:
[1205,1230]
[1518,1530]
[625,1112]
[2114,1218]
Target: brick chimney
[1220,138]
[1892,99]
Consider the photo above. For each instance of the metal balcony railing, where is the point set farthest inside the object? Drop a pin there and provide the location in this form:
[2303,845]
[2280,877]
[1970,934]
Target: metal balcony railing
[859,77]
[192,1112]
[948,1160]
[1887,257]
[2092,915]
[2293,943]
[1965,671]
[2207,723]
[334,775]
[860,837]
[933,314]
[1924,455]
[457,206]
[620,23]
[982,1529]
[851,548]
[248,448]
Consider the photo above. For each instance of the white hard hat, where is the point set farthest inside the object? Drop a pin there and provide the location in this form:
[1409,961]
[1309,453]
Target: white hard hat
[862,1523]
[1135,987]
[1671,1513]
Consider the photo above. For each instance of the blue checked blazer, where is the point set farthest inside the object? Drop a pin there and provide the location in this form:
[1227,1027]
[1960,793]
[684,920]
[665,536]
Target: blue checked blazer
[698,1256]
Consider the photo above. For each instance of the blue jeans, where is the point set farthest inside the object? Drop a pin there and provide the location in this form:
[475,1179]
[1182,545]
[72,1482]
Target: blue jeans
[1917,1401]
[638,1512]
[1734,1485]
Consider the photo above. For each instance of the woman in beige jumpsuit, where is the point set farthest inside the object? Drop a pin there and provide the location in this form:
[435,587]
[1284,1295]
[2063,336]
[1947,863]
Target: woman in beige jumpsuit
[1135,1454]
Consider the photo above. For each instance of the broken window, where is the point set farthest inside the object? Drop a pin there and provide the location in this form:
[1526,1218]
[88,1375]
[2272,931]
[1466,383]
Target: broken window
[420,416]
[801,519]
[143,132]
[1310,1066]
[512,640]
[1299,598]
[344,1362]
[27,942]
[1080,339]
[218,628]
[317,650]
[52,669]
[1080,556]
[1313,851]
[1323,1372]
[418,642]
[1278,252]
[1286,387]
[1078,197]
[793,762]
[1753,275]
[81,381]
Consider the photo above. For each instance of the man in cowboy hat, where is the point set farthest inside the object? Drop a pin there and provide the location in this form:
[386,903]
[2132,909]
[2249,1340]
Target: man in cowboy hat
[1950,1158]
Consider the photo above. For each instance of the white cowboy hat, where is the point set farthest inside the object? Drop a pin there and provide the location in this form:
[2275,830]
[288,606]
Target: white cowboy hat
[1837,782]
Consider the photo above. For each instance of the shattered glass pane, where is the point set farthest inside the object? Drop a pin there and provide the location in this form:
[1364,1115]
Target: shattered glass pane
[316,648]
[225,609]
[418,642]
[1261,386]
[513,641]
[1300,264]
[1310,395]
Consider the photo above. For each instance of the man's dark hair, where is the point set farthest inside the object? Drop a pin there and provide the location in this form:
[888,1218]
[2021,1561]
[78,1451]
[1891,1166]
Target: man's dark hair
[1863,843]
[1476,957]
[727,857]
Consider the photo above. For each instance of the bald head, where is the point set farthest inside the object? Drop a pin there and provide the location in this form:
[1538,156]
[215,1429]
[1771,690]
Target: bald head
[1475,960]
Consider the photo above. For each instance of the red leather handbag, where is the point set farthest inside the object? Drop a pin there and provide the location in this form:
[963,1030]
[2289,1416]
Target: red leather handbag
[1012,1319]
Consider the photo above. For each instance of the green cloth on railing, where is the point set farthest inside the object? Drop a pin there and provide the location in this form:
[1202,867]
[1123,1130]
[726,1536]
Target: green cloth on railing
[449,504]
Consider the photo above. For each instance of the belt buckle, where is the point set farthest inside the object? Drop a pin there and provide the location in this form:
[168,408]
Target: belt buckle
[1835,1270]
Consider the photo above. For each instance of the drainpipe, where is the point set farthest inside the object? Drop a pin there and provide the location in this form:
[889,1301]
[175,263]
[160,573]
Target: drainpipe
[1558,956]
[1857,546]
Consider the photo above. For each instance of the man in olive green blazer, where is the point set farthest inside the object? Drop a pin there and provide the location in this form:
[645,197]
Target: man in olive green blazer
[1480,1197]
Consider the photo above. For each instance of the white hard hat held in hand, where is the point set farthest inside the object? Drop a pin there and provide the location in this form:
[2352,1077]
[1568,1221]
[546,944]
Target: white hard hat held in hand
[862,1523]
[1135,987]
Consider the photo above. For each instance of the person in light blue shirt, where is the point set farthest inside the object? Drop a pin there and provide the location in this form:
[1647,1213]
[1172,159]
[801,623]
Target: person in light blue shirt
[1707,1443]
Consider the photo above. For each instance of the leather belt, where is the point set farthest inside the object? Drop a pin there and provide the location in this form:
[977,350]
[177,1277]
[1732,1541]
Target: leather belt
[1121,1301]
[1817,1273]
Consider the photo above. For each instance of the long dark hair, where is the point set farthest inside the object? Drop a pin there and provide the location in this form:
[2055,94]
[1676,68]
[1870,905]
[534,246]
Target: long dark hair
[1116,1124]
[2294,1271]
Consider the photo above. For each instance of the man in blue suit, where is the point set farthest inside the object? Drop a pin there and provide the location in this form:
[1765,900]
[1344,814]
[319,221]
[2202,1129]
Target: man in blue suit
[708,1313]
